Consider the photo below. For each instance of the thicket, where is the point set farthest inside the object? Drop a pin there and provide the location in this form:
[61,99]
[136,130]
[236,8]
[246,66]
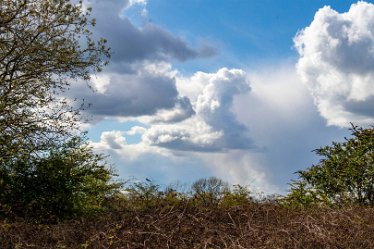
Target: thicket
[150,218]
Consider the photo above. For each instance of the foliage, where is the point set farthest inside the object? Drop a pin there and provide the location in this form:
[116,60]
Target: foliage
[143,195]
[345,174]
[44,46]
[206,192]
[45,166]
[239,195]
[301,195]
[70,179]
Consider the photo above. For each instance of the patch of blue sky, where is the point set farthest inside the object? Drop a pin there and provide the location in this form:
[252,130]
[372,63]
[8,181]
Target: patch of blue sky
[245,32]
[137,14]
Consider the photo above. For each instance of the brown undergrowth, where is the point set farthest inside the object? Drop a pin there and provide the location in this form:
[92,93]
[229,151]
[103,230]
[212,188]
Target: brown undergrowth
[182,225]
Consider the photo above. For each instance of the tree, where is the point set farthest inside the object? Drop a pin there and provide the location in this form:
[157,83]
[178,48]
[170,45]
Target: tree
[44,46]
[45,165]
[344,174]
[210,190]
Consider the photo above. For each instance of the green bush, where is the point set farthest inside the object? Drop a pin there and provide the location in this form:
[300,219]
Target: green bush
[345,174]
[143,195]
[67,180]
[45,170]
[238,196]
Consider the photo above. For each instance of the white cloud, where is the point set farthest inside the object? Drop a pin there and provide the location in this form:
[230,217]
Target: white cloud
[336,62]
[167,166]
[213,127]
[146,90]
[134,2]
[100,82]
[136,130]
[142,4]
[193,134]
[279,112]
[215,123]
[181,111]
[114,143]
[142,160]
[241,167]
[113,140]
[130,43]
[200,125]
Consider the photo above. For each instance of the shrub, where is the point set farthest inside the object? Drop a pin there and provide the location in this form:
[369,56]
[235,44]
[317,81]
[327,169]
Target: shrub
[67,180]
[345,174]
[143,195]
[238,196]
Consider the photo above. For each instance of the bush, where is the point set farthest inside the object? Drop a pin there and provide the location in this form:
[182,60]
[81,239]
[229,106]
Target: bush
[143,195]
[238,196]
[67,180]
[345,174]
[45,47]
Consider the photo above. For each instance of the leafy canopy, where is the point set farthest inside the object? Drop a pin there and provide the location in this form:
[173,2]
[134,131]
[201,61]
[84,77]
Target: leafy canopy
[71,179]
[344,174]
[46,168]
[44,46]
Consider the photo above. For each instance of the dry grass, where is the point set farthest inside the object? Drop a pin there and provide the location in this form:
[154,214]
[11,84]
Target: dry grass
[256,225]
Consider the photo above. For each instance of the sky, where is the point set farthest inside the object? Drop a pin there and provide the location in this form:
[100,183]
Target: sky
[243,90]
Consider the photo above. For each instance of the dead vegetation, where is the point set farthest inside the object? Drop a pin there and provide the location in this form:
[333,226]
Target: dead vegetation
[183,225]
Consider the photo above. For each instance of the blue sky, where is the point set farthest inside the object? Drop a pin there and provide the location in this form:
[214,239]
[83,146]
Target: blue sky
[241,90]
[250,31]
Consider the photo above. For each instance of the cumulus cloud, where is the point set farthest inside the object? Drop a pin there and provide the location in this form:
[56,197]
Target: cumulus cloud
[215,102]
[139,80]
[136,130]
[241,167]
[162,165]
[181,111]
[336,62]
[130,43]
[113,139]
[213,127]
[283,122]
[148,90]
[142,161]
[114,143]
[191,135]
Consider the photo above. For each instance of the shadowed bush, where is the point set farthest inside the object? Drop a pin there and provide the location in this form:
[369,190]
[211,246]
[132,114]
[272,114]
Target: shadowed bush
[68,180]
